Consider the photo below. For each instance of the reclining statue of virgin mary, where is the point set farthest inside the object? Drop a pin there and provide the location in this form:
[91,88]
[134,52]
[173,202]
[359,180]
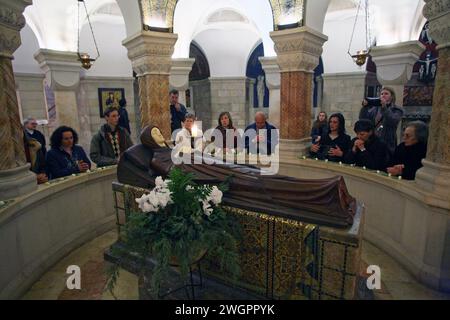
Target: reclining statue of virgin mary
[321,201]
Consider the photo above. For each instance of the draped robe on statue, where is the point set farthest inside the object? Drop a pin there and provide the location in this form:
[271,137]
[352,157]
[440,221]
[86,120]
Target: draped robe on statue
[318,201]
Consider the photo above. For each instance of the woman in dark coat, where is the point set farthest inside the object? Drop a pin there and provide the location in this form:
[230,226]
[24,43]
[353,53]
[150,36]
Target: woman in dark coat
[408,155]
[319,127]
[65,156]
[386,118]
[334,143]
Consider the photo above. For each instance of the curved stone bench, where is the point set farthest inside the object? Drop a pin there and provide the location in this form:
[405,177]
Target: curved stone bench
[39,229]
[408,223]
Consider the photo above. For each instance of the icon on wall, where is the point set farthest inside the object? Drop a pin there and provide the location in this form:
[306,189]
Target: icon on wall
[109,97]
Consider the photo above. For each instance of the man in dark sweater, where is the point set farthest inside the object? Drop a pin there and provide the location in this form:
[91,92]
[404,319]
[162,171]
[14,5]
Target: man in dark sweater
[367,150]
[30,125]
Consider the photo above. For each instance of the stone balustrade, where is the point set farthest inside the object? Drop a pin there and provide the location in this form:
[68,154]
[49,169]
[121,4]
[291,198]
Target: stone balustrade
[40,228]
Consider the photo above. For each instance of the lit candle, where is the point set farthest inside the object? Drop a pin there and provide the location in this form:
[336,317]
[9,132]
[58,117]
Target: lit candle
[194,131]
[340,163]
[378,171]
[317,158]
[389,175]
[326,160]
[399,177]
[364,168]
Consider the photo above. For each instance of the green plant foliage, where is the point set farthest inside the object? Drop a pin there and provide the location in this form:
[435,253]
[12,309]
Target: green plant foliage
[180,231]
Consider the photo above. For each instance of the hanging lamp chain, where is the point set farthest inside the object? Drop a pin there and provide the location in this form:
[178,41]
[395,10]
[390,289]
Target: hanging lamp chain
[90,27]
[354,27]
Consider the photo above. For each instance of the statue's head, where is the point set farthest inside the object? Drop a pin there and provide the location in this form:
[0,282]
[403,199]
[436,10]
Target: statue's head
[152,137]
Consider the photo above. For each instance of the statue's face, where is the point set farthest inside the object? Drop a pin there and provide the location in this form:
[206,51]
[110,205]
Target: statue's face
[158,137]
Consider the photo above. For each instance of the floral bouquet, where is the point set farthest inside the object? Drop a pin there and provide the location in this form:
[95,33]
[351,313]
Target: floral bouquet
[180,221]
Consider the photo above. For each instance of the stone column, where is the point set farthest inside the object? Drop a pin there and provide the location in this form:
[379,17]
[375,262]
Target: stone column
[298,52]
[435,175]
[62,72]
[15,177]
[150,54]
[273,79]
[179,76]
[395,64]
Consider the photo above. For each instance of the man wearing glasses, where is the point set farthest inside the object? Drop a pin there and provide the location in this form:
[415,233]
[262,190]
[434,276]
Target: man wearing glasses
[30,125]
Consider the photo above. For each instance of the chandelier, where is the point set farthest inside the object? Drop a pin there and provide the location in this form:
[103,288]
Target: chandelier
[361,55]
[84,58]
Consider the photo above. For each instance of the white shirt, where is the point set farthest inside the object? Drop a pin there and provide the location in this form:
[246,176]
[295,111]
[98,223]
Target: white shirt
[183,137]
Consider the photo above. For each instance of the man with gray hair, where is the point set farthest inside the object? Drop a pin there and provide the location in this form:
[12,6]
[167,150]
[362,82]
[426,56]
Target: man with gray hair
[30,125]
[266,136]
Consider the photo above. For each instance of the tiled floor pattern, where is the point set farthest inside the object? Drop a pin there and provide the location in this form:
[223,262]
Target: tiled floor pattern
[396,282]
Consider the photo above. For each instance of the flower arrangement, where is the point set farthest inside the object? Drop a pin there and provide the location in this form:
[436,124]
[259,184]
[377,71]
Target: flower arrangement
[179,220]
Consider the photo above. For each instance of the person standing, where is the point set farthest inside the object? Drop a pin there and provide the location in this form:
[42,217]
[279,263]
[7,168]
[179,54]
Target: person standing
[177,111]
[386,118]
[108,144]
[30,125]
[124,121]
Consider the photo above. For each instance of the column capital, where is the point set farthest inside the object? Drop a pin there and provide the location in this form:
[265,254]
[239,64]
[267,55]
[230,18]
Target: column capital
[437,13]
[298,49]
[61,68]
[272,71]
[395,62]
[11,22]
[179,73]
[150,52]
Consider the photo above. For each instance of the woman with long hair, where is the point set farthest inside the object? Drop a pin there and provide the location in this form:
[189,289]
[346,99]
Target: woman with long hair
[335,142]
[319,127]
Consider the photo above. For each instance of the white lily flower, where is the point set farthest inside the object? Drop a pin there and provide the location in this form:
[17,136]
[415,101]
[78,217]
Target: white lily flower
[216,195]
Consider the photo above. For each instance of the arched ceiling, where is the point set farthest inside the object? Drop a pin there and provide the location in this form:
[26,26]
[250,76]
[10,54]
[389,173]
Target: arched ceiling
[160,13]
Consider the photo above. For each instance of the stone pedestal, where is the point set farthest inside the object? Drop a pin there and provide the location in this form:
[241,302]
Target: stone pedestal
[150,54]
[62,72]
[179,76]
[395,64]
[15,177]
[273,80]
[298,52]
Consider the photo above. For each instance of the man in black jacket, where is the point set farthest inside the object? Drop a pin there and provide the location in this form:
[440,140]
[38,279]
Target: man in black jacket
[367,150]
[30,125]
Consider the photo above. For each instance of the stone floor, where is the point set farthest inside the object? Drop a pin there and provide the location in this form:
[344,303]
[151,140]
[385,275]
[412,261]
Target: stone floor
[396,282]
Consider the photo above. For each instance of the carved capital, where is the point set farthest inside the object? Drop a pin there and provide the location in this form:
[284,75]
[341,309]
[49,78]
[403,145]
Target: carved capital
[395,62]
[11,22]
[437,13]
[298,49]
[272,71]
[61,68]
[150,52]
[179,73]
